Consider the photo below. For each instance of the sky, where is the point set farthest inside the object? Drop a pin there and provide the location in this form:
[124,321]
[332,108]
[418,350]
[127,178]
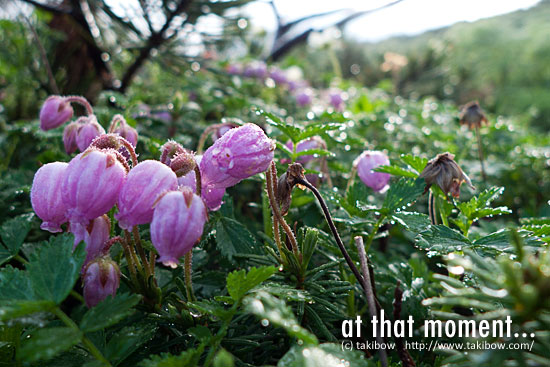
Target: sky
[408,17]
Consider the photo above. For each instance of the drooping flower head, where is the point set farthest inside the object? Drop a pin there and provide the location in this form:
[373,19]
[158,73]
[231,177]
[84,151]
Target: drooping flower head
[91,184]
[178,223]
[366,162]
[145,182]
[101,279]
[472,115]
[95,234]
[88,130]
[240,153]
[55,111]
[445,173]
[46,196]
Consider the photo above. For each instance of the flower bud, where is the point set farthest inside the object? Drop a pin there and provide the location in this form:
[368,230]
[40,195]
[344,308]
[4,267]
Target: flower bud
[69,137]
[472,115]
[91,185]
[240,153]
[366,162]
[183,163]
[88,131]
[95,234]
[55,111]
[128,133]
[169,150]
[101,279]
[446,173]
[178,222]
[46,196]
[145,182]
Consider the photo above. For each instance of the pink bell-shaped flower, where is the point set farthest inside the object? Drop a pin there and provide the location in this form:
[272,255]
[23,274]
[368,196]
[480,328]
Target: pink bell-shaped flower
[88,131]
[128,133]
[46,196]
[55,111]
[95,234]
[101,279]
[366,162]
[144,184]
[178,222]
[69,137]
[240,153]
[91,185]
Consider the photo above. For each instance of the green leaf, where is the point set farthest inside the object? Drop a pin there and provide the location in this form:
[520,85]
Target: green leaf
[46,343]
[402,193]
[240,282]
[442,240]
[11,309]
[275,310]
[479,207]
[15,285]
[233,238]
[54,268]
[223,359]
[211,308]
[108,312]
[416,163]
[319,152]
[127,341]
[396,171]
[13,233]
[324,355]
[188,358]
[412,221]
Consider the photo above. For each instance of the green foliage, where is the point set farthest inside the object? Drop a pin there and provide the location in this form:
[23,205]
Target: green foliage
[13,233]
[240,282]
[48,342]
[108,312]
[326,355]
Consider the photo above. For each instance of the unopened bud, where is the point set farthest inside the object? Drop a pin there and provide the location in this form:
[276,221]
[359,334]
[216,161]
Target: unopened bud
[446,173]
[183,163]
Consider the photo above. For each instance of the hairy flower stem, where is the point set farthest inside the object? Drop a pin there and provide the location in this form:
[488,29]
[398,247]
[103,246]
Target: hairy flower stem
[85,341]
[130,262]
[480,151]
[431,208]
[187,270]
[82,101]
[141,251]
[198,181]
[335,234]
[369,293]
[117,120]
[207,132]
[271,177]
[130,148]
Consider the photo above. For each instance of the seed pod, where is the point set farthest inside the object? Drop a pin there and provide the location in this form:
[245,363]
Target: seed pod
[178,223]
[366,162]
[46,196]
[169,150]
[91,185]
[101,279]
[446,173]
[145,182]
[183,163]
[472,115]
[240,153]
[286,183]
[55,111]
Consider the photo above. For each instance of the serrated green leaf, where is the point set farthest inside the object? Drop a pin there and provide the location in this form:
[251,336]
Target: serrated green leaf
[319,152]
[240,282]
[108,312]
[442,240]
[11,309]
[416,163]
[412,221]
[402,193]
[188,358]
[285,292]
[210,308]
[317,128]
[324,355]
[275,310]
[127,341]
[15,285]
[54,268]
[14,231]
[46,343]
[232,238]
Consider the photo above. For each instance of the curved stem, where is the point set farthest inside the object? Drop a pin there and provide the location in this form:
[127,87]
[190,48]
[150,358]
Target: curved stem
[333,229]
[130,148]
[82,101]
[188,271]
[271,174]
[207,132]
[118,119]
[431,208]
[85,341]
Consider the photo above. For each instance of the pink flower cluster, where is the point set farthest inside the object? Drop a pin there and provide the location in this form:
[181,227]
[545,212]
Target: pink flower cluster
[84,190]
